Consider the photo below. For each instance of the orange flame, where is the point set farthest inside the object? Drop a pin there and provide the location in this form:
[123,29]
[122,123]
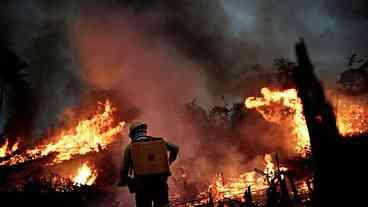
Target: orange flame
[6,150]
[276,106]
[270,167]
[86,175]
[90,135]
[351,116]
[234,187]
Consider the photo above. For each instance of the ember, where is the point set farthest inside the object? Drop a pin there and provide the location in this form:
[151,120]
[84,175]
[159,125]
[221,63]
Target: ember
[90,135]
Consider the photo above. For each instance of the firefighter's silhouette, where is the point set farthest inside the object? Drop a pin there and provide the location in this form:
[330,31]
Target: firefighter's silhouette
[146,165]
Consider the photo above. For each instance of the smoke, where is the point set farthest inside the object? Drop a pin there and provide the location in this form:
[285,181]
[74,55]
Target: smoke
[225,38]
[130,56]
[37,33]
[158,55]
[241,33]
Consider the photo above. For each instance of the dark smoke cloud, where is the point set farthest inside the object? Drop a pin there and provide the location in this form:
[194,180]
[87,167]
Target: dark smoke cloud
[226,37]
[159,55]
[247,32]
[36,31]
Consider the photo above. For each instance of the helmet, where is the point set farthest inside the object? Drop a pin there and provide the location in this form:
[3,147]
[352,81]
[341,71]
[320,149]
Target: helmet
[137,126]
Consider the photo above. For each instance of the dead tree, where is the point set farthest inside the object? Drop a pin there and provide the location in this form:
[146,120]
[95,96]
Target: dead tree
[248,197]
[337,161]
[16,99]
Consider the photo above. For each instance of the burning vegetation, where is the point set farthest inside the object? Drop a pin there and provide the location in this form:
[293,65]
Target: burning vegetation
[86,175]
[274,182]
[90,135]
[284,108]
[6,149]
[233,187]
[352,115]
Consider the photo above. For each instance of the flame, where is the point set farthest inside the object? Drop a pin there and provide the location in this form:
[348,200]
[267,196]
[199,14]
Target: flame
[234,187]
[351,116]
[6,150]
[90,135]
[86,175]
[277,106]
[270,167]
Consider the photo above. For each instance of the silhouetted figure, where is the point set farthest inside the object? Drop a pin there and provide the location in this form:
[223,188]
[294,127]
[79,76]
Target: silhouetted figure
[146,167]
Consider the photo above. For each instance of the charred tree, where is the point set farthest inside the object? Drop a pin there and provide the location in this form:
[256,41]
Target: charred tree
[272,195]
[248,197]
[336,160]
[16,100]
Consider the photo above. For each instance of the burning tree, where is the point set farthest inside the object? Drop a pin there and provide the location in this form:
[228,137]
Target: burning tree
[336,161]
[282,107]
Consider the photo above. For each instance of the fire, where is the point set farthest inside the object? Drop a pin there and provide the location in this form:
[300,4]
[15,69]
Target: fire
[270,167]
[6,150]
[351,116]
[277,106]
[86,175]
[234,187]
[90,135]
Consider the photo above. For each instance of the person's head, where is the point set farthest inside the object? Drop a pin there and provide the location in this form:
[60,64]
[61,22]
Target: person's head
[137,128]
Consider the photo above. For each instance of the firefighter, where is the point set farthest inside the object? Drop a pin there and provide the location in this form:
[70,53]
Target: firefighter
[145,167]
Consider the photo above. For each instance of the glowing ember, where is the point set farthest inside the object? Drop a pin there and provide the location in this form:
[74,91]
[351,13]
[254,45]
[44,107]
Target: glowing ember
[90,135]
[6,150]
[277,106]
[85,175]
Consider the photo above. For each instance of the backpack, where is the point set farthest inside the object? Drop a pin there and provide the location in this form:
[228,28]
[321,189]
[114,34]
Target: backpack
[149,157]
